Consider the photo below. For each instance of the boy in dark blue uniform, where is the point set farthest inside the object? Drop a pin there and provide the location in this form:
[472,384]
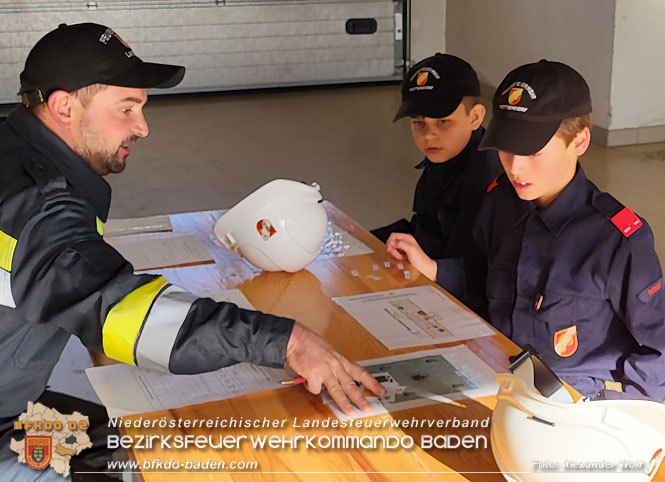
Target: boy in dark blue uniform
[440,95]
[571,270]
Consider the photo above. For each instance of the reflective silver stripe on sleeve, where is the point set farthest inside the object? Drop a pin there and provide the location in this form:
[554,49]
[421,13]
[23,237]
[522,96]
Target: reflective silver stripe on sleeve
[6,298]
[161,327]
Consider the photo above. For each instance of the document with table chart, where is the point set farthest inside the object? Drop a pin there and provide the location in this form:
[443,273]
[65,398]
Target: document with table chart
[148,253]
[410,317]
[129,390]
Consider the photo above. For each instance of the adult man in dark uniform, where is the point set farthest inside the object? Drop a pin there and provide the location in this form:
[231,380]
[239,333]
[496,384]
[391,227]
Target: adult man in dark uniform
[83,90]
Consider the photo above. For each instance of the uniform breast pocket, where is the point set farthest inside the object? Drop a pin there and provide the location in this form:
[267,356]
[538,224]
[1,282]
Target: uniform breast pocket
[568,325]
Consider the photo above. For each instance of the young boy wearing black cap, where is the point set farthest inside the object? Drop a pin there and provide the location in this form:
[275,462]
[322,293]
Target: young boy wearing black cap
[440,95]
[571,270]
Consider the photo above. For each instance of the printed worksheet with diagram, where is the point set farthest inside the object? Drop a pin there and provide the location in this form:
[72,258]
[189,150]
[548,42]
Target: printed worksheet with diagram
[413,317]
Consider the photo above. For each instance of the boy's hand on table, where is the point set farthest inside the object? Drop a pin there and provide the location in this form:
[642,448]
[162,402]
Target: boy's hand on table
[401,245]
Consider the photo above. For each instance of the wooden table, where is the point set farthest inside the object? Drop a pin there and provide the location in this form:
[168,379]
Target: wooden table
[306,296]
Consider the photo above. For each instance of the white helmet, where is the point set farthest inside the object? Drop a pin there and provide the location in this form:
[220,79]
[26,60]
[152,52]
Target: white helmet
[279,227]
[535,438]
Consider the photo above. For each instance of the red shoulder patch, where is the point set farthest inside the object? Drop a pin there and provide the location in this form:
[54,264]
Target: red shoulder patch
[627,222]
[494,184]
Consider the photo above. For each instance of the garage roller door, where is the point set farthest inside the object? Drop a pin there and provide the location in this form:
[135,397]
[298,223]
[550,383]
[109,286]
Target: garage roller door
[237,44]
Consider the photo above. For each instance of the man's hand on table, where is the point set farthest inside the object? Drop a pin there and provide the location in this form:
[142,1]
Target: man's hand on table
[319,363]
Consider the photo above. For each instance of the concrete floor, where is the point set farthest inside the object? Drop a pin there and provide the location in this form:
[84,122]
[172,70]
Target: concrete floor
[209,152]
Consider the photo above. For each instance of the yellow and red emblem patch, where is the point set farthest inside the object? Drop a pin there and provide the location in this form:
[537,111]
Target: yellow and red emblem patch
[515,95]
[565,341]
[421,78]
[38,451]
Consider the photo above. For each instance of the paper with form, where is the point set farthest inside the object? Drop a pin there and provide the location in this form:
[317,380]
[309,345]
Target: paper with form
[129,390]
[155,253]
[413,317]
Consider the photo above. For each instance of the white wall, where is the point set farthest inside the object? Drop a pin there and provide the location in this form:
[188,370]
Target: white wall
[497,36]
[428,28]
[638,70]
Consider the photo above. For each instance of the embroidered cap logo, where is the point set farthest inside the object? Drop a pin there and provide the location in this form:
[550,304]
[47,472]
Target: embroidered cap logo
[422,77]
[515,95]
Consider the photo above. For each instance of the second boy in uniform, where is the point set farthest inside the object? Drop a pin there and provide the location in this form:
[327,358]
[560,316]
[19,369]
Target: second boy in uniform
[440,95]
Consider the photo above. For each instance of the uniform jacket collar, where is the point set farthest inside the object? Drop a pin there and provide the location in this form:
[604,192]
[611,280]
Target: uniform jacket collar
[81,176]
[567,204]
[564,208]
[476,136]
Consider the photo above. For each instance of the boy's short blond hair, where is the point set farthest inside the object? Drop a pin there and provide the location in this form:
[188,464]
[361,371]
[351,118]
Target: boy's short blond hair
[569,128]
[469,102]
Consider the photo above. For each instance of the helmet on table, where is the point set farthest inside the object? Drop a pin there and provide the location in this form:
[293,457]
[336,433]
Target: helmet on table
[278,227]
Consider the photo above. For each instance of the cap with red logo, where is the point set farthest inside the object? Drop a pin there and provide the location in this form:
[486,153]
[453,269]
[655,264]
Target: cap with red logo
[435,86]
[530,104]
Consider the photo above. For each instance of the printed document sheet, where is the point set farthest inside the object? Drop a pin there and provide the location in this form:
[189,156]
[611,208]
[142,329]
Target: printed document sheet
[413,317]
[157,253]
[127,390]
[445,375]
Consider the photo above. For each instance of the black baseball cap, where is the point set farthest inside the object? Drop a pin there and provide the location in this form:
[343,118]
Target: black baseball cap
[75,56]
[435,86]
[530,104]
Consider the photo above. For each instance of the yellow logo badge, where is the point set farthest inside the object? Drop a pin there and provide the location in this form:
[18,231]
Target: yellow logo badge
[422,77]
[565,341]
[515,95]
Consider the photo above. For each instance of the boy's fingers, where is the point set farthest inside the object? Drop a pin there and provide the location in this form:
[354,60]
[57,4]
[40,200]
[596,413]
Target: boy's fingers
[395,253]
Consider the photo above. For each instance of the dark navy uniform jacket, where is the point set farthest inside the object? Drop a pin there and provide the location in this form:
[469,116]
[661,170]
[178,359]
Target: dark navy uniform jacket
[580,281]
[59,278]
[446,202]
